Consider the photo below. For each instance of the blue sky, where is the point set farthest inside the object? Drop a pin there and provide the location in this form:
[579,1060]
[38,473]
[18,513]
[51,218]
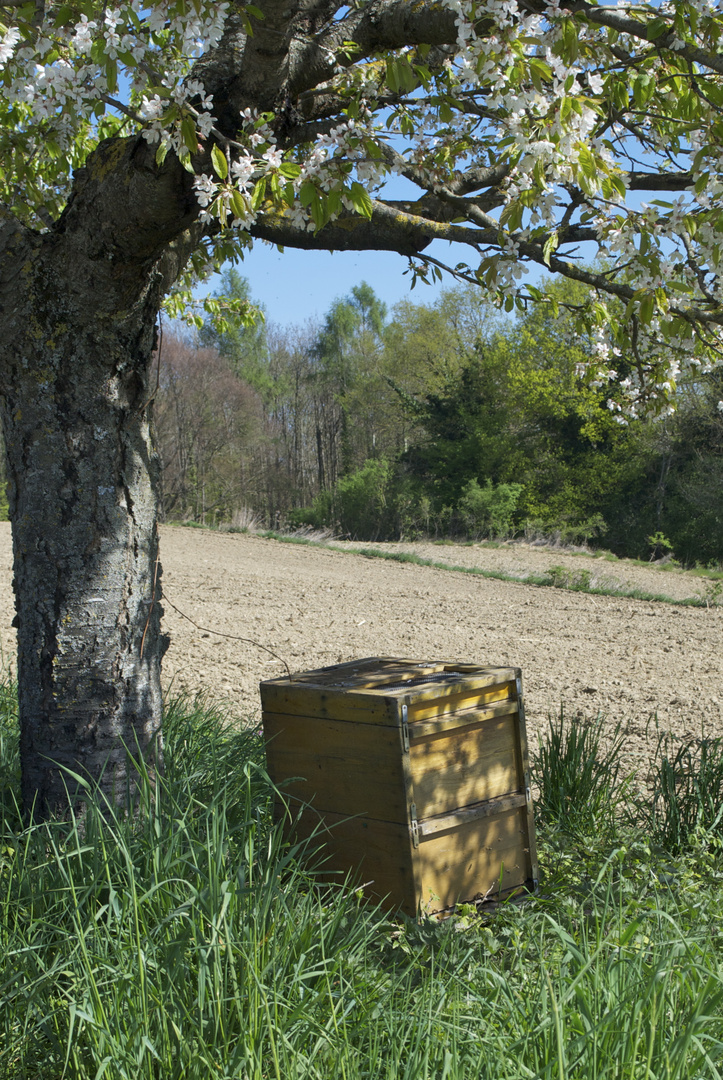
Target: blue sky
[296,286]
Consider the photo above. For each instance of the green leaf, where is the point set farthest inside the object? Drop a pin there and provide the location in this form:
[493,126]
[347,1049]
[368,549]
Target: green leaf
[662,300]
[374,151]
[647,308]
[643,88]
[655,28]
[238,204]
[587,160]
[290,170]
[259,192]
[188,134]
[307,193]
[702,182]
[318,208]
[111,75]
[361,200]
[570,41]
[550,246]
[333,203]
[512,216]
[220,163]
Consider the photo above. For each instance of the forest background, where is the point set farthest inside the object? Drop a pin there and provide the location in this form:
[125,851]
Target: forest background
[447,420]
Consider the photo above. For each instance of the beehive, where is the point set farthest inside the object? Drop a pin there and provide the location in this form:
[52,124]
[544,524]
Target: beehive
[414,774]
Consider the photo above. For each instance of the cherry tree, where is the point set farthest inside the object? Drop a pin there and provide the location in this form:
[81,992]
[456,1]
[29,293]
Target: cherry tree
[143,144]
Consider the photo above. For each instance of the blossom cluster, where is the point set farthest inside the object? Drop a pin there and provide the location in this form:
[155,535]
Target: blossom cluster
[58,80]
[547,94]
[548,83]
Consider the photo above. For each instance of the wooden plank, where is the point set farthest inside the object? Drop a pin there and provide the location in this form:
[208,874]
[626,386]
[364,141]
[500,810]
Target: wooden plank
[390,672]
[466,814]
[524,758]
[453,769]
[360,674]
[342,767]
[377,706]
[461,718]
[375,676]
[299,700]
[377,854]
[480,858]
[436,703]
[410,806]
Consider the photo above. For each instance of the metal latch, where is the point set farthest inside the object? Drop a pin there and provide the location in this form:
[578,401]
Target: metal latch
[405,729]
[414,825]
[520,700]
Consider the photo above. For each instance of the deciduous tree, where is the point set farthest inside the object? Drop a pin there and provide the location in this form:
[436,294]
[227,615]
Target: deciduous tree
[144,141]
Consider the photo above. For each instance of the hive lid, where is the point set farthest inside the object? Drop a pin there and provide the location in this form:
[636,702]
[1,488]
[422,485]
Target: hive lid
[394,676]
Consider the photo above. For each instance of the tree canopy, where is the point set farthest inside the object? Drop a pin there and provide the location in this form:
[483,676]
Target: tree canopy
[532,133]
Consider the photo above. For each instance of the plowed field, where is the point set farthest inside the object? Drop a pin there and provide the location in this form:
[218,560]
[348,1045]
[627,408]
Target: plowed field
[630,659]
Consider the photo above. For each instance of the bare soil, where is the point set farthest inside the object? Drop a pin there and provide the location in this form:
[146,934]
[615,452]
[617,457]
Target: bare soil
[638,662]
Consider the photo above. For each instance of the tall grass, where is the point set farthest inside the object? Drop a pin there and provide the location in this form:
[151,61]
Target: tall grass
[578,781]
[192,942]
[686,804]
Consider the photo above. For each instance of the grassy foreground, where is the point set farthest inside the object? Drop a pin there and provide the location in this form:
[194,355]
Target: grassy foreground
[192,943]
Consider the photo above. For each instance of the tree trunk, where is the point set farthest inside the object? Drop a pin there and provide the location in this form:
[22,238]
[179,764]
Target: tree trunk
[83,484]
[83,491]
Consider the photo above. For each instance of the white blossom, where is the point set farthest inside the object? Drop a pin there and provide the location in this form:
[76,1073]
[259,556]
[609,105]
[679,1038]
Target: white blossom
[205,189]
[273,156]
[7,45]
[82,36]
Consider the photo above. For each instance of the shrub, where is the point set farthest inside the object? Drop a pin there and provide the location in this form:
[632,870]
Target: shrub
[488,510]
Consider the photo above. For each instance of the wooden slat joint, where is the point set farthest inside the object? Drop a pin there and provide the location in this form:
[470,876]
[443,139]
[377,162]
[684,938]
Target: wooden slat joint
[452,721]
[490,808]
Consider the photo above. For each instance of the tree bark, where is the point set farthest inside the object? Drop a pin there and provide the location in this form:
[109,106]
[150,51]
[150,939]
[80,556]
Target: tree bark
[77,330]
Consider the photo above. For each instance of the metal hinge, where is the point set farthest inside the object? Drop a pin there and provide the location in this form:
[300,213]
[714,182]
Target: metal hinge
[414,826]
[405,729]
[520,700]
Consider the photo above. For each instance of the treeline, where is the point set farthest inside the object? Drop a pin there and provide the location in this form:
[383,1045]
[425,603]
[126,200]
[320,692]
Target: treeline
[431,420]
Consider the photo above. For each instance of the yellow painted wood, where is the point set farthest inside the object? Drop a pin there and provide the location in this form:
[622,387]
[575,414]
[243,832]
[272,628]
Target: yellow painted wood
[453,721]
[467,814]
[304,700]
[342,767]
[365,688]
[451,769]
[336,739]
[524,758]
[475,860]
[455,700]
[375,854]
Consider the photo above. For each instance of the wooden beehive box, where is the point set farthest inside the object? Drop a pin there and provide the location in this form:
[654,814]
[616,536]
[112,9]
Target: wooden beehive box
[415,776]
